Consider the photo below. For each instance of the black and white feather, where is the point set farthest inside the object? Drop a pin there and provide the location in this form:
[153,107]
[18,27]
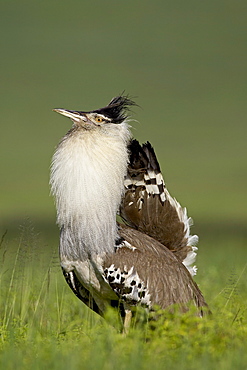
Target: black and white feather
[148,206]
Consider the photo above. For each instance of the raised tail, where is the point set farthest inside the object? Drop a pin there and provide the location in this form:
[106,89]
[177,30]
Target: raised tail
[148,207]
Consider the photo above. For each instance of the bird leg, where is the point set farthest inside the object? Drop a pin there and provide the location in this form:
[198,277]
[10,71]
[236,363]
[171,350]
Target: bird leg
[127,321]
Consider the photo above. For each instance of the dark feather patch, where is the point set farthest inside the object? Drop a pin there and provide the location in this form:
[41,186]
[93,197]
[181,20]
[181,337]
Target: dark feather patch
[80,291]
[142,157]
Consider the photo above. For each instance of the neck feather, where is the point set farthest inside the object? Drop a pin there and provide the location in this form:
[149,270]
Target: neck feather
[87,176]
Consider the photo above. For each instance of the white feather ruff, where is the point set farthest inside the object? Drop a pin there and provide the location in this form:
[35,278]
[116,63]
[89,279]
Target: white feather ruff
[87,175]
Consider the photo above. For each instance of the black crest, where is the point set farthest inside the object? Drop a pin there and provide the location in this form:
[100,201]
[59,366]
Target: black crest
[117,108]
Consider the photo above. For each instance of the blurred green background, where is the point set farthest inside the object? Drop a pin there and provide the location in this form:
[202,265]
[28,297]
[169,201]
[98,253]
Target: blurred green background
[184,61]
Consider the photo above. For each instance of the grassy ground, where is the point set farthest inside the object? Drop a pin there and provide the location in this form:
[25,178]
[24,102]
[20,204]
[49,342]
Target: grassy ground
[42,324]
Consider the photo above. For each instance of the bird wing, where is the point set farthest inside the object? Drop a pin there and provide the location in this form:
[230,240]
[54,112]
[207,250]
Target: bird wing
[143,271]
[148,207]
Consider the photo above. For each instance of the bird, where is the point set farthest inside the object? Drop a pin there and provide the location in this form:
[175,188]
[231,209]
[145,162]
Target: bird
[98,172]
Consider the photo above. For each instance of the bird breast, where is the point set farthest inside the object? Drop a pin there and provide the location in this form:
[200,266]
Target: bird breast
[87,176]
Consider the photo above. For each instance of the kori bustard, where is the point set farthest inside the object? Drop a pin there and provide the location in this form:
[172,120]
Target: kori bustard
[97,171]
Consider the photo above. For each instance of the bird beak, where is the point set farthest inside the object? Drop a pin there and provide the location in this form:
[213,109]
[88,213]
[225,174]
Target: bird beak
[73,115]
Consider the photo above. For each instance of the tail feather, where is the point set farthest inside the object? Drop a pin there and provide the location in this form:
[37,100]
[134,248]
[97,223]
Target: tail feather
[148,206]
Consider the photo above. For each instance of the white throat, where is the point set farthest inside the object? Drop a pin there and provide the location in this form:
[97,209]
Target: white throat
[87,176]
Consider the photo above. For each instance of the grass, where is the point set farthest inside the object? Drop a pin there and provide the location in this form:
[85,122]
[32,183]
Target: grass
[42,324]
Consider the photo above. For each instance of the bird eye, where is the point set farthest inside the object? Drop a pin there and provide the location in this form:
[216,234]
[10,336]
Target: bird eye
[98,119]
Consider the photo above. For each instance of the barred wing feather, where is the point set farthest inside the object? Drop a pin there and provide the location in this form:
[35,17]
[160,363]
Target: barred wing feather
[148,207]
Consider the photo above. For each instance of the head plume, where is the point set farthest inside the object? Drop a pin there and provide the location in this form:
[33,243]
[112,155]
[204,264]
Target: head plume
[117,109]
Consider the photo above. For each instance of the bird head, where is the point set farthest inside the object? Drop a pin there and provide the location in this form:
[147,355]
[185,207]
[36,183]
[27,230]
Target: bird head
[113,114]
